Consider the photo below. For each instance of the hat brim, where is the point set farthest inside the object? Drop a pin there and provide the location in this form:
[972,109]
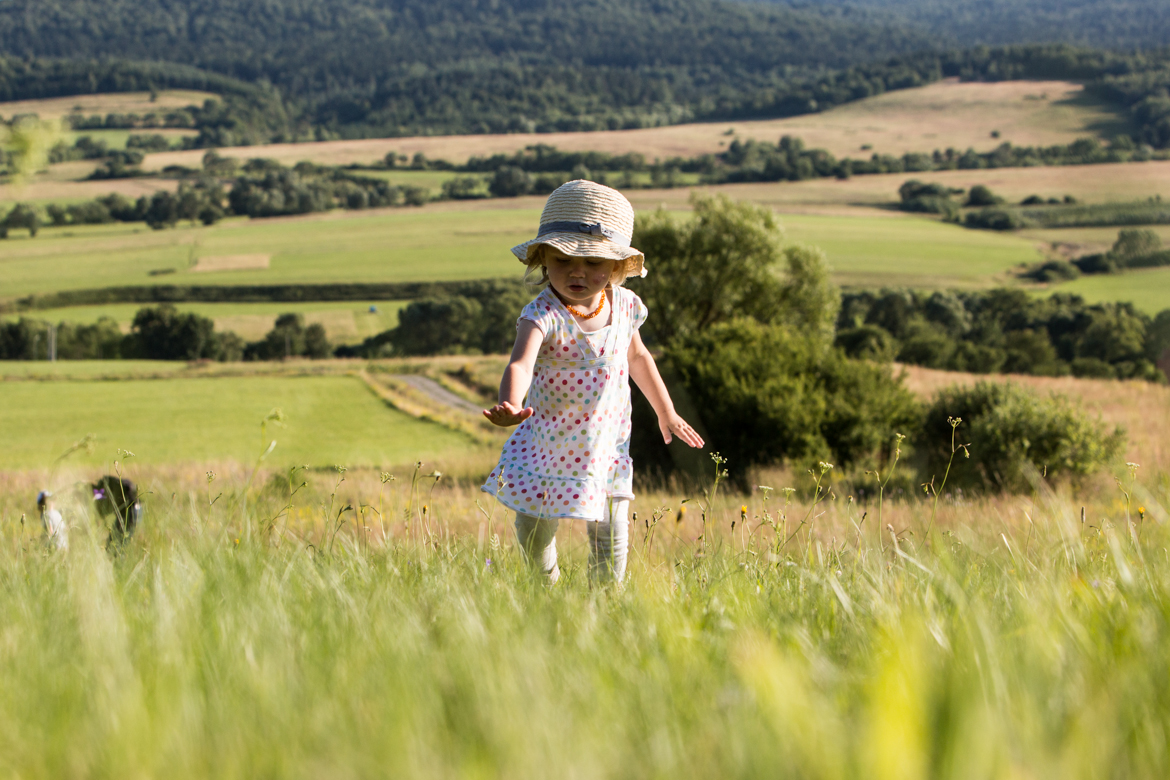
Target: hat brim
[581,245]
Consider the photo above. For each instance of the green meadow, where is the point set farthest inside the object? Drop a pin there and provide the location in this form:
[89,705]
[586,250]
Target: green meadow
[328,420]
[905,251]
[387,246]
[369,628]
[1148,289]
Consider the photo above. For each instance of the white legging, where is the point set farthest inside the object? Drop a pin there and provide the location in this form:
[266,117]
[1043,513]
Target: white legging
[608,543]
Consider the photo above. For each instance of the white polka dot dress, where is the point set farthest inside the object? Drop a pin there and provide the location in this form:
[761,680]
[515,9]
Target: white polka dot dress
[573,453]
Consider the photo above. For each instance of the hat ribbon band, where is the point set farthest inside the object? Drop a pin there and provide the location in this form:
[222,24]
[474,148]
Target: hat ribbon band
[596,229]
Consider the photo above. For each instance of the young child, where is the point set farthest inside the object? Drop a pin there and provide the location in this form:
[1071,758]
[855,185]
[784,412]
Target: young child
[567,384]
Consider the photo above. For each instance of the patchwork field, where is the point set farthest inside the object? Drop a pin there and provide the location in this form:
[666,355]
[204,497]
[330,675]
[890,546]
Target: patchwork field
[941,115]
[330,420]
[452,242]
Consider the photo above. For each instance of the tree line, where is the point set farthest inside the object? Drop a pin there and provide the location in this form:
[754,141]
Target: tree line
[1005,330]
[158,333]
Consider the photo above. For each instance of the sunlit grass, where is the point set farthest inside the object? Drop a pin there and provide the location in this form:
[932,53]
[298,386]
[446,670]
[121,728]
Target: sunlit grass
[361,627]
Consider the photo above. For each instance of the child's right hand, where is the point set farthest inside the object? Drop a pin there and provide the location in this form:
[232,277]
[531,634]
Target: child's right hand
[506,415]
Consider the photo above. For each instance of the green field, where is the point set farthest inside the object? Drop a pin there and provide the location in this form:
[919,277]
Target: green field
[387,246]
[332,420]
[457,241]
[909,251]
[1147,289]
[344,321]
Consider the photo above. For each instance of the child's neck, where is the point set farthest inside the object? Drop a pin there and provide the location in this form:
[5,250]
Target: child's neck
[585,307]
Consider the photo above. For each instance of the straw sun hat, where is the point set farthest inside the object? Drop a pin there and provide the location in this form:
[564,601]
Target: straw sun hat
[586,219]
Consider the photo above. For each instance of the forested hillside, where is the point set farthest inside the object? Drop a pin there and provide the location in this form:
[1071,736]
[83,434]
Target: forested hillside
[400,66]
[1118,24]
[316,69]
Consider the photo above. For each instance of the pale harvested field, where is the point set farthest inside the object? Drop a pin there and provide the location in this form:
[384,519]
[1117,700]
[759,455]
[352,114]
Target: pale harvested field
[105,103]
[1141,408]
[1089,183]
[213,263]
[941,115]
[46,190]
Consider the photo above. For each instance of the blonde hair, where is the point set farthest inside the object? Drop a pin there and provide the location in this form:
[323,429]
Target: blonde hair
[621,269]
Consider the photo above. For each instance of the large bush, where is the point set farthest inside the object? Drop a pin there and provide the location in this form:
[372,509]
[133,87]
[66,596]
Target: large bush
[729,262]
[766,393]
[1012,434]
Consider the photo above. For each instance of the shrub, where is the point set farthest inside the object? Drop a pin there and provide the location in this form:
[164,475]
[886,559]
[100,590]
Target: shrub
[1092,368]
[510,181]
[1052,271]
[289,338]
[981,195]
[1158,336]
[993,219]
[928,198]
[1096,264]
[1012,434]
[464,188]
[21,217]
[867,342]
[926,345]
[766,395]
[1134,243]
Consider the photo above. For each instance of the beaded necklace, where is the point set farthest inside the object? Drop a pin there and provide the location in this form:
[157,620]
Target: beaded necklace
[583,315]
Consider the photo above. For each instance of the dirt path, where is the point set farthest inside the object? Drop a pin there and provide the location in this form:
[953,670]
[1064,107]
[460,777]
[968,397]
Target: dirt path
[437,392]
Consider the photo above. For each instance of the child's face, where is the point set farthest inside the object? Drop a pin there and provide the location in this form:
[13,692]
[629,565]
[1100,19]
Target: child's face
[577,279]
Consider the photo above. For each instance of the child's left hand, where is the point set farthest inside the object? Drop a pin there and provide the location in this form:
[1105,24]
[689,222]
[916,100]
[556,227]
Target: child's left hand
[673,424]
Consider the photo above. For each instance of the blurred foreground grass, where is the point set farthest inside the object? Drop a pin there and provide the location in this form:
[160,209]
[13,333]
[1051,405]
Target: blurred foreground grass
[370,628]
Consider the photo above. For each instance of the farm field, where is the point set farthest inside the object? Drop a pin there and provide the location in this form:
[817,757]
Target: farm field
[105,103]
[909,251]
[344,321]
[1148,289]
[330,420]
[389,245]
[1087,183]
[937,116]
[456,241]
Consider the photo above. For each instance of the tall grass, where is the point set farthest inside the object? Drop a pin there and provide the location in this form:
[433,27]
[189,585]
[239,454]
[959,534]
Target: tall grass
[269,635]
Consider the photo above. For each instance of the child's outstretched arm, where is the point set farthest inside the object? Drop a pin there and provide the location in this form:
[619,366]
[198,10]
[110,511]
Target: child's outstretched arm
[517,377]
[644,372]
